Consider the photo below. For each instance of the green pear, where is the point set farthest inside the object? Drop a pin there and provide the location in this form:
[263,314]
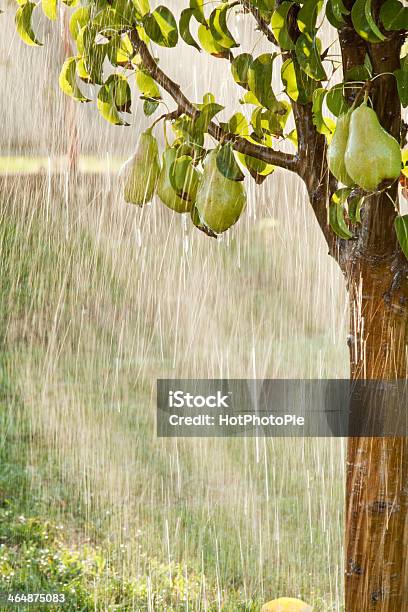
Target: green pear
[372,155]
[142,171]
[165,190]
[337,149]
[220,201]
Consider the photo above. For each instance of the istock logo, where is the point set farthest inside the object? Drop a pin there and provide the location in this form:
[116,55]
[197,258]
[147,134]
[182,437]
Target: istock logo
[179,399]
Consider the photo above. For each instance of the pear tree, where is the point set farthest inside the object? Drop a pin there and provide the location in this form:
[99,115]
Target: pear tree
[351,166]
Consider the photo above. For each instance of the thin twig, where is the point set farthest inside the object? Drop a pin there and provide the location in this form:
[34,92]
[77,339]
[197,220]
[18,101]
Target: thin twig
[262,24]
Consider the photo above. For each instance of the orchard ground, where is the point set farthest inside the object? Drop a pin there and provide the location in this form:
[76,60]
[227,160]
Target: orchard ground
[99,299]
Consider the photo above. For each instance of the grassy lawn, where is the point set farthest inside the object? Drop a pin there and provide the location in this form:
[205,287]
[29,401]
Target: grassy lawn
[86,164]
[97,300]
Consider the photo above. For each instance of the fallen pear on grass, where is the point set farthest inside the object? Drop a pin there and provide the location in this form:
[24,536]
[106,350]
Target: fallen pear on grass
[165,190]
[372,155]
[337,149]
[220,201]
[142,171]
[286,604]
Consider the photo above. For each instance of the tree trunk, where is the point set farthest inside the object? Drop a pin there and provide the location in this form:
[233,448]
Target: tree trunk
[377,468]
[376,541]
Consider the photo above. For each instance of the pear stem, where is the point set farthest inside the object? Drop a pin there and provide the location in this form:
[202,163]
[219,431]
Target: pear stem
[165,134]
[377,76]
[394,203]
[362,92]
[166,117]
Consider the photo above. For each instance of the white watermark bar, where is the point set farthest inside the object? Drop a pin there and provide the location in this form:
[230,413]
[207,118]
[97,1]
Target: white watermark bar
[282,408]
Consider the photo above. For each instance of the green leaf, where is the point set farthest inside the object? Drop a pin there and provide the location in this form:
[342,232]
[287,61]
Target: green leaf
[185,130]
[364,23]
[357,73]
[142,34]
[249,98]
[293,138]
[147,85]
[93,65]
[150,107]
[307,16]
[394,15]
[207,113]
[209,44]
[239,68]
[78,21]
[404,162]
[191,149]
[270,122]
[161,27]
[339,7]
[67,81]
[23,24]
[120,50]
[336,213]
[402,81]
[142,7]
[208,98]
[370,20]
[237,124]
[114,97]
[335,11]
[181,175]
[257,167]
[197,6]
[288,76]
[332,17]
[308,56]
[126,14]
[109,19]
[260,80]
[265,6]
[219,28]
[227,164]
[82,71]
[122,93]
[298,85]
[324,125]
[354,208]
[279,25]
[336,102]
[184,26]
[93,54]
[401,229]
[49,8]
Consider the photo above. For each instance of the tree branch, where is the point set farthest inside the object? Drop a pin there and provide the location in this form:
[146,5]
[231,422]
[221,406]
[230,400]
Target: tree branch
[270,156]
[312,165]
[262,24]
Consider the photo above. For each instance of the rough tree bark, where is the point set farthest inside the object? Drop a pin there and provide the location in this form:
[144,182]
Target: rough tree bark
[377,468]
[376,274]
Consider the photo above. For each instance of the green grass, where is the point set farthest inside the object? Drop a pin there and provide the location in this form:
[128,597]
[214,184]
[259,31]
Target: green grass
[29,165]
[97,300]
[40,555]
